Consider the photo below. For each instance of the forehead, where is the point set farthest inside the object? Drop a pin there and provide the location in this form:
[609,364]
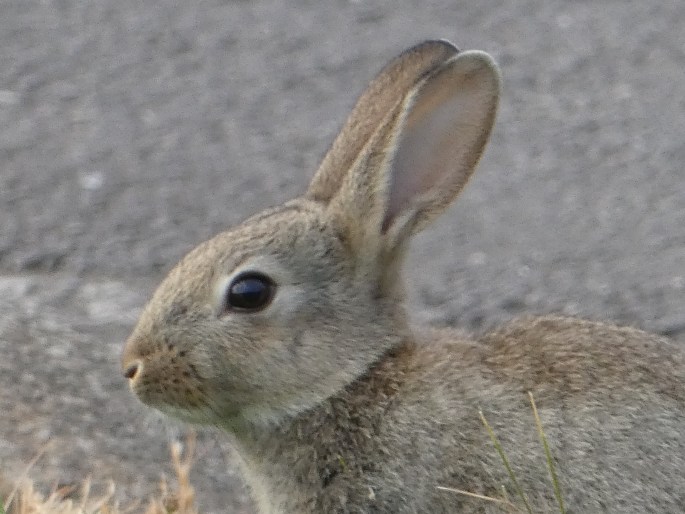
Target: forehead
[297,225]
[286,232]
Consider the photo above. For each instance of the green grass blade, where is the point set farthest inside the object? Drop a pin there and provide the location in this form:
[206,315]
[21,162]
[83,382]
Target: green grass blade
[505,460]
[548,456]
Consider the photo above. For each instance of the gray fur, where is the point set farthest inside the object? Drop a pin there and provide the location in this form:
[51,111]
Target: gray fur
[337,405]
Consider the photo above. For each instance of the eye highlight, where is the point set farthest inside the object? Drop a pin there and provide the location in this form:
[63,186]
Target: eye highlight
[249,292]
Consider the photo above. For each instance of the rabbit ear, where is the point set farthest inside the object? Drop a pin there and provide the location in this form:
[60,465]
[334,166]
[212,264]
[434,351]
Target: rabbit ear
[448,123]
[388,88]
[421,155]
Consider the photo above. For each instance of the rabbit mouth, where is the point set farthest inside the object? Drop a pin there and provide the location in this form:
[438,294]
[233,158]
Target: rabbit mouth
[190,404]
[180,393]
[158,380]
[168,394]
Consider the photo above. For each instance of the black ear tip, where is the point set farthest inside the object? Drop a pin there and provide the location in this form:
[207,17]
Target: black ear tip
[447,43]
[436,42]
[429,44]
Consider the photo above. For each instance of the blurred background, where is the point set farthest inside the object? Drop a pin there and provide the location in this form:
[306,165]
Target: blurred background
[131,131]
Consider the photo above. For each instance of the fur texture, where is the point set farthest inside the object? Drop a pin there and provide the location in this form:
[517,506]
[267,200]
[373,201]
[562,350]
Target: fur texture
[337,405]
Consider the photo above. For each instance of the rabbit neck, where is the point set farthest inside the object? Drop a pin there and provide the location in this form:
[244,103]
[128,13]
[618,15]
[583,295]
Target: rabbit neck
[289,465]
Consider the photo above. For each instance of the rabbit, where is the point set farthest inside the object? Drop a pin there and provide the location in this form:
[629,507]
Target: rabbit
[289,332]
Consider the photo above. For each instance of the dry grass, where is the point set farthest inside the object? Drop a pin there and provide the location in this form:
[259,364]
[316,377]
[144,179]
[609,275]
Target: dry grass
[25,498]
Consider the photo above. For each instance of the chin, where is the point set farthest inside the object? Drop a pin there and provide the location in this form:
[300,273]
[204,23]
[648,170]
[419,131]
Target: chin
[191,415]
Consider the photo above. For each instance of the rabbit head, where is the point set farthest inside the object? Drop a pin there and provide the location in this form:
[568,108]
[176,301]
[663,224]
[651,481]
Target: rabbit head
[270,318]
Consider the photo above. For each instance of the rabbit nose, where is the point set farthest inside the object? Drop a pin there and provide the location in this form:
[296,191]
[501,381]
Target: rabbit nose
[131,371]
[131,362]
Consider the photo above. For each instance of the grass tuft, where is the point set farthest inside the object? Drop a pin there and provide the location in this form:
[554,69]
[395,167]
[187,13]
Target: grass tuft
[182,500]
[504,501]
[26,499]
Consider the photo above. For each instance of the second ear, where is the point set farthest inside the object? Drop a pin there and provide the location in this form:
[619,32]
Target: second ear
[422,155]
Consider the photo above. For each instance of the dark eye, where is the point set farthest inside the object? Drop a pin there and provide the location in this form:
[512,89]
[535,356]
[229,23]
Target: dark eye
[250,292]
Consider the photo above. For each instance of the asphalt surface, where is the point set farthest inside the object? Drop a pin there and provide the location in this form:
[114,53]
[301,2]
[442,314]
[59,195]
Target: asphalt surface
[131,131]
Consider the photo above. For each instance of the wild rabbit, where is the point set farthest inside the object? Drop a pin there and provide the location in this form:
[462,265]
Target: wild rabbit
[289,332]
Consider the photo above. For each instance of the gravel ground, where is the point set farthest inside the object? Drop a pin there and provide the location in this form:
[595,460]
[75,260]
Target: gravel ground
[130,131]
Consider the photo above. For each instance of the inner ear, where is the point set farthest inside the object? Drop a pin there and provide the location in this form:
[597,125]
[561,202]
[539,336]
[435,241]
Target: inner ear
[448,122]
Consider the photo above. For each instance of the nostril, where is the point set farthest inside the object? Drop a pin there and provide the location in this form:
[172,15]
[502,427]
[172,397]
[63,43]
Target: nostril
[131,371]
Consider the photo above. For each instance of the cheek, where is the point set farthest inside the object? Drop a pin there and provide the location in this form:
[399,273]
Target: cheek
[266,364]
[247,354]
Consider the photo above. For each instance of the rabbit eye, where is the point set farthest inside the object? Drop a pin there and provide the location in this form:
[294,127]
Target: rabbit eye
[250,292]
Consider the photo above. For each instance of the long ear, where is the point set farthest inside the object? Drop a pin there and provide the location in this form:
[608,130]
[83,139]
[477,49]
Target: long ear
[392,84]
[421,156]
[449,120]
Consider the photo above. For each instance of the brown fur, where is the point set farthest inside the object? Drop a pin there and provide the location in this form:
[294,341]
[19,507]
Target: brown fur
[337,405]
